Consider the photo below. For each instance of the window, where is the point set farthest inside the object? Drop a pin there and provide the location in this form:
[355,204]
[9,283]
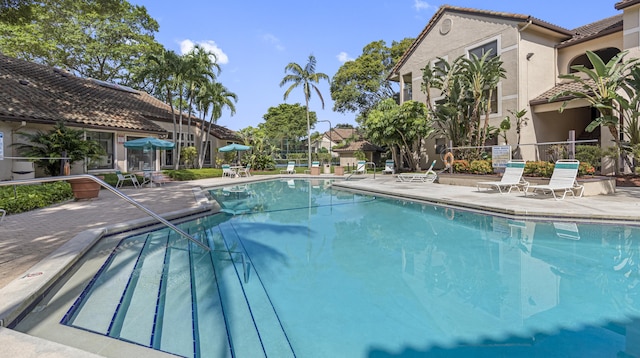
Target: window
[407,92]
[481,50]
[605,54]
[105,140]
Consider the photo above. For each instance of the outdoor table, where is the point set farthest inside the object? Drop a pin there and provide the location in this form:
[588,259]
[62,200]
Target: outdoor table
[236,168]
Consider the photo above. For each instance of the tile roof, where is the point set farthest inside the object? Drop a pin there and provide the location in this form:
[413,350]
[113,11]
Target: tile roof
[596,29]
[43,94]
[340,134]
[559,88]
[362,145]
[626,3]
[524,19]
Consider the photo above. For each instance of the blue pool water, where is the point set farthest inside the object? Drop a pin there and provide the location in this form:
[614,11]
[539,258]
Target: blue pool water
[301,270]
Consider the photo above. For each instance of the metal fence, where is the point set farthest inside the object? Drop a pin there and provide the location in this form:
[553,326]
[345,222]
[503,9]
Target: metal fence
[548,151]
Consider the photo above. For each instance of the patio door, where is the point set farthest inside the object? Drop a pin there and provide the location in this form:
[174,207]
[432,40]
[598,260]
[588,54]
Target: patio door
[140,159]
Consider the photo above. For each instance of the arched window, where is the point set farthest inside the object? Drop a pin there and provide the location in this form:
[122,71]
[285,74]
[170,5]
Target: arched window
[605,54]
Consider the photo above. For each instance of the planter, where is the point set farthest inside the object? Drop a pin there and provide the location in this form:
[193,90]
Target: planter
[84,188]
[315,170]
[338,170]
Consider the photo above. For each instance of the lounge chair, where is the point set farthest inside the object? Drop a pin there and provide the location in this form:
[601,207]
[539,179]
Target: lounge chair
[429,176]
[245,171]
[313,165]
[361,167]
[291,168]
[563,179]
[227,171]
[389,167]
[567,230]
[124,177]
[512,178]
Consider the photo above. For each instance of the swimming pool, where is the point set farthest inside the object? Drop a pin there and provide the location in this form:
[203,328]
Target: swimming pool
[300,270]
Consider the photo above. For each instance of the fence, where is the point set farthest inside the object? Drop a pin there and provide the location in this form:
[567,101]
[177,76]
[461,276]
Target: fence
[548,151]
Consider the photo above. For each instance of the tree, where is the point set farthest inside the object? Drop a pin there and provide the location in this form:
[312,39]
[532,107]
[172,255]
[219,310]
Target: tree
[57,143]
[601,88]
[359,85]
[102,39]
[305,77]
[287,121]
[213,97]
[402,126]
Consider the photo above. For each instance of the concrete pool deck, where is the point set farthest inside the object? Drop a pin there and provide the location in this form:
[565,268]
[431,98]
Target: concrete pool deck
[27,239]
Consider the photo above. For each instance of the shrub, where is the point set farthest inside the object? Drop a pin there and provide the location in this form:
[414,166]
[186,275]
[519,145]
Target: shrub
[481,167]
[30,197]
[460,166]
[586,169]
[539,169]
[591,154]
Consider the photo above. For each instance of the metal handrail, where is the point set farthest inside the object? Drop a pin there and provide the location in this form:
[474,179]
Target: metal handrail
[113,190]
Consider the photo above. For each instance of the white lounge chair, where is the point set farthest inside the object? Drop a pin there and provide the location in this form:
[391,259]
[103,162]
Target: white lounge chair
[361,167]
[512,178]
[389,167]
[124,177]
[563,179]
[427,177]
[245,171]
[567,230]
[227,171]
[313,165]
[291,168]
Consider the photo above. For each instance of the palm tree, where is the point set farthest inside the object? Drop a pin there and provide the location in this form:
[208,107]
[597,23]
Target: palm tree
[215,97]
[305,77]
[601,88]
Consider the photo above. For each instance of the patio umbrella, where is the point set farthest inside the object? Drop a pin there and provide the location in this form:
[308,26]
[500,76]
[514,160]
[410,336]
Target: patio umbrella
[234,147]
[151,143]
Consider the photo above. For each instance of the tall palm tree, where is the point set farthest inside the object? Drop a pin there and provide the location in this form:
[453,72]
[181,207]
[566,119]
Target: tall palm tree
[214,97]
[305,77]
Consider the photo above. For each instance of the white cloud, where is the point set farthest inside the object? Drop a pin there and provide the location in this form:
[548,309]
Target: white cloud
[344,57]
[421,5]
[272,40]
[209,45]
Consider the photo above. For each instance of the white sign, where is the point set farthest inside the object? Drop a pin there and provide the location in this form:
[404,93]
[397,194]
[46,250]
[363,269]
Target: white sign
[1,146]
[500,155]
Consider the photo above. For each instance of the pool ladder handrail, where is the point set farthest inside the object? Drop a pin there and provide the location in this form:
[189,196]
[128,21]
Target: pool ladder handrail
[113,190]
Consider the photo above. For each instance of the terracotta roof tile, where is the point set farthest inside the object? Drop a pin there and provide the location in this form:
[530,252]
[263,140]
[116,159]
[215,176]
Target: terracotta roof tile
[626,3]
[595,29]
[559,88]
[34,92]
[362,145]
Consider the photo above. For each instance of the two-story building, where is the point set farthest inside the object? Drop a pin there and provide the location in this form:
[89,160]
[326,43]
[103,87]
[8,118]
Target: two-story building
[534,53]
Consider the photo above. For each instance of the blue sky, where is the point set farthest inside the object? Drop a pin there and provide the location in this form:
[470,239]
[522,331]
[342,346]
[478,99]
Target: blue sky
[255,40]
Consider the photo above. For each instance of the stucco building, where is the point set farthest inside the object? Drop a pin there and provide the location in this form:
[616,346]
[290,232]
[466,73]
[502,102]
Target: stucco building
[34,97]
[534,53]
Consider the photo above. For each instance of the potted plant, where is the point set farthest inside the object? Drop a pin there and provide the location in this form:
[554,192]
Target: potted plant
[62,141]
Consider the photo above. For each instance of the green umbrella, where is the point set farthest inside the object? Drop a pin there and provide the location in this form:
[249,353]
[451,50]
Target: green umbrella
[149,142]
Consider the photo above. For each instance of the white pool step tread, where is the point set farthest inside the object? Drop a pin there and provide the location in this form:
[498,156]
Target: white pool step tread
[138,313]
[98,310]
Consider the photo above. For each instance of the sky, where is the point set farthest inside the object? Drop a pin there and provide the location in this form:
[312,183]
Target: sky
[254,40]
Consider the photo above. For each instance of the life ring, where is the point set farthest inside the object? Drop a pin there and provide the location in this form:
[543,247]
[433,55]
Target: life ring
[449,213]
[448,159]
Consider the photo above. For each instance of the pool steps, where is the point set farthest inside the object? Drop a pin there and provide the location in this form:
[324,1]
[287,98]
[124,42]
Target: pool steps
[153,277]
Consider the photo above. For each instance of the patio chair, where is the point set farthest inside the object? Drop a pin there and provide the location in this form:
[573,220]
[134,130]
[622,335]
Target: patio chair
[512,178]
[313,165]
[291,168]
[124,177]
[227,171]
[427,177]
[389,167]
[245,171]
[361,167]
[563,179]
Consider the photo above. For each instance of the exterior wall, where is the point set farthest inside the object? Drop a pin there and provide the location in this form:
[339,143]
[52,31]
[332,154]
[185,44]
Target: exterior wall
[631,37]
[568,54]
[119,161]
[467,32]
